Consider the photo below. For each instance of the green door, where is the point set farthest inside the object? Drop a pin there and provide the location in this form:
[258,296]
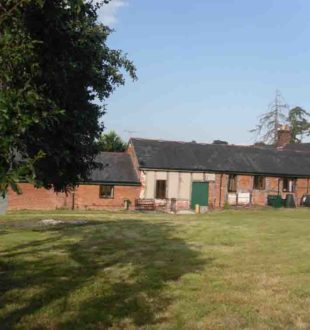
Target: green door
[200,193]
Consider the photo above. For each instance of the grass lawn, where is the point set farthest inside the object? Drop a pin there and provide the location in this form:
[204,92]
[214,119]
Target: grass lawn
[224,270]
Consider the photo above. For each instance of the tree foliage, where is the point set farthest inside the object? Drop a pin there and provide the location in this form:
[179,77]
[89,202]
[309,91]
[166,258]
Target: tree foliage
[299,125]
[54,63]
[296,119]
[266,129]
[21,98]
[111,142]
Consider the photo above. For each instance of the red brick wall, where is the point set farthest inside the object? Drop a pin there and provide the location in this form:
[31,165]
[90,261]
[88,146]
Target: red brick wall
[212,195]
[275,185]
[302,188]
[259,197]
[87,197]
[221,181]
[37,199]
[244,183]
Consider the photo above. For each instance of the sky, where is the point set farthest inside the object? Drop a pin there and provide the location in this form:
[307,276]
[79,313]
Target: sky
[206,68]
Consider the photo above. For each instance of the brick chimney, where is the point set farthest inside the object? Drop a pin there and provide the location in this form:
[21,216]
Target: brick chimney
[284,136]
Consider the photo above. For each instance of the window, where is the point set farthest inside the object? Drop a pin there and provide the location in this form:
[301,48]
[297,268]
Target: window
[232,183]
[259,182]
[106,191]
[289,184]
[161,189]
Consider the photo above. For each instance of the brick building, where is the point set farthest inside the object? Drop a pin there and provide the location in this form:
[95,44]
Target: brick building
[188,173]
[178,175]
[107,188]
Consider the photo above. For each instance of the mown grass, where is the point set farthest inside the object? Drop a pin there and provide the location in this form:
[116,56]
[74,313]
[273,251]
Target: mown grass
[223,270]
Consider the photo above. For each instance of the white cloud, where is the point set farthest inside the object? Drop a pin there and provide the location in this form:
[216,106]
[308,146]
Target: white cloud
[108,12]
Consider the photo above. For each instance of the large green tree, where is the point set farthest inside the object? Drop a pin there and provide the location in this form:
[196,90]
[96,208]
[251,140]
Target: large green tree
[55,64]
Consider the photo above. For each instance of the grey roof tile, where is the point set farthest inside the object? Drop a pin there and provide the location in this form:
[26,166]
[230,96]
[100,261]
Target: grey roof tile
[191,156]
[116,167]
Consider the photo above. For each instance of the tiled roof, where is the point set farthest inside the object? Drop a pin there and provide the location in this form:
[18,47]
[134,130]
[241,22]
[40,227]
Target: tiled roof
[192,156]
[116,167]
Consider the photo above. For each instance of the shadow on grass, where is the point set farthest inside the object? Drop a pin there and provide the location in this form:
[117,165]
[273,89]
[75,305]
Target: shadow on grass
[97,276]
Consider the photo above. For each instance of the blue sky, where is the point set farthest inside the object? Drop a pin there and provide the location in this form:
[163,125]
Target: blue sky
[207,68]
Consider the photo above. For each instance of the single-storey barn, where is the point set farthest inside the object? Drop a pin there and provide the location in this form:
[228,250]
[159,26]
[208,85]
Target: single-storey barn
[179,175]
[171,176]
[107,188]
